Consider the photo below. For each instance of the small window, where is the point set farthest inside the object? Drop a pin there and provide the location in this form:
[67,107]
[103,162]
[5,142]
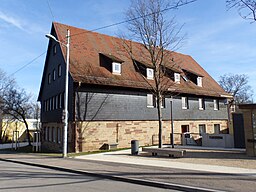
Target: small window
[60,101]
[177,78]
[59,70]
[150,100]
[56,102]
[54,135]
[116,68]
[46,133]
[150,73]
[49,78]
[54,49]
[58,135]
[216,104]
[184,128]
[50,133]
[54,75]
[201,104]
[200,81]
[53,103]
[184,102]
[202,129]
[216,128]
[50,104]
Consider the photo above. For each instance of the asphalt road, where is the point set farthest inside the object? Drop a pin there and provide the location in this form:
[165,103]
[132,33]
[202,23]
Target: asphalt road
[17,177]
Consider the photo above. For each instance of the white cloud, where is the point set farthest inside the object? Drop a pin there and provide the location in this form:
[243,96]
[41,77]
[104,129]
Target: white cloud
[11,20]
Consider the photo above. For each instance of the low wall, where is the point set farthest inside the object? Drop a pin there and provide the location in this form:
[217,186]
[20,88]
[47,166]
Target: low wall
[218,140]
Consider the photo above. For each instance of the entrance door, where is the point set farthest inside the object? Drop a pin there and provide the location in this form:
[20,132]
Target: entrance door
[238,126]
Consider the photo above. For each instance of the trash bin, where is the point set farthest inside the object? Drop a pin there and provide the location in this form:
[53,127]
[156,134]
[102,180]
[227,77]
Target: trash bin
[135,147]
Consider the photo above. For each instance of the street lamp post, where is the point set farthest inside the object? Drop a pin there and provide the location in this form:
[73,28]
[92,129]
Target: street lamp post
[171,106]
[65,133]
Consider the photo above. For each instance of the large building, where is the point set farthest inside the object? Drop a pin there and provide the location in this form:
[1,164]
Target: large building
[110,98]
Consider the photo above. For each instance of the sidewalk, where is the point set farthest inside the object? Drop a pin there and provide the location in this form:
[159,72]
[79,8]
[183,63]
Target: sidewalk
[146,170]
[125,157]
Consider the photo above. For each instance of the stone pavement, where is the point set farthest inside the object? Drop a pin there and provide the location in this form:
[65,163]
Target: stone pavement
[159,172]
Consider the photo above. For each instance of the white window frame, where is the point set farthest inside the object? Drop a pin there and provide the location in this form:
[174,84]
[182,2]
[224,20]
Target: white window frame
[150,100]
[56,102]
[215,126]
[177,78]
[201,127]
[201,104]
[216,104]
[199,81]
[184,101]
[116,70]
[150,73]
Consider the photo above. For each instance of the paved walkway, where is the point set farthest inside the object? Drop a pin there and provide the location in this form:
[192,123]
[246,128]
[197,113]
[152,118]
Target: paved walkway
[125,157]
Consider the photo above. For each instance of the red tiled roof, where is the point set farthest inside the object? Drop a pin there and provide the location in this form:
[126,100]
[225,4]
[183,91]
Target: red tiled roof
[85,49]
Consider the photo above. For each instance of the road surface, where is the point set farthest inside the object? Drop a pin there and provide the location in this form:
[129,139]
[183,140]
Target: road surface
[22,178]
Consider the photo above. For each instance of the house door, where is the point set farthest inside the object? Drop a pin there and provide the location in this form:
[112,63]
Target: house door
[238,126]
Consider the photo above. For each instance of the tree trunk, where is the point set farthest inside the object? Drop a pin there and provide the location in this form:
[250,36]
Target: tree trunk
[160,120]
[27,130]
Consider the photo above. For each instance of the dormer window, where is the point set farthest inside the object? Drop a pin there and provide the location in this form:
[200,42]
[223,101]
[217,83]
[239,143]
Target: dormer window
[116,68]
[200,81]
[177,78]
[150,73]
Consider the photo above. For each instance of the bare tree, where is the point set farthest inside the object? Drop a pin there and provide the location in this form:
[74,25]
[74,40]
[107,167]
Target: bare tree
[16,105]
[148,24]
[238,86]
[245,8]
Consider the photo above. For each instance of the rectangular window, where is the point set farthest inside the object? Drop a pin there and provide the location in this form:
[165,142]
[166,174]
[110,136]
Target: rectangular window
[202,129]
[59,135]
[200,81]
[49,78]
[60,101]
[150,100]
[116,68]
[177,78]
[56,102]
[54,75]
[59,70]
[150,73]
[50,133]
[54,135]
[216,104]
[53,103]
[201,104]
[216,128]
[184,128]
[46,133]
[184,102]
[50,104]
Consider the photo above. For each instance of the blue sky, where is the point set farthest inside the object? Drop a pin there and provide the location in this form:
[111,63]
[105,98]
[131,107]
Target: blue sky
[219,40]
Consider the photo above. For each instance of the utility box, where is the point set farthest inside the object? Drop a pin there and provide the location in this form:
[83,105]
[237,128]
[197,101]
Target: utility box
[249,115]
[135,147]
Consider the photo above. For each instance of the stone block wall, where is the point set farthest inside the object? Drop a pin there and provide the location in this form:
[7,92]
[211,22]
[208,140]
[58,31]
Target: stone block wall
[93,135]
